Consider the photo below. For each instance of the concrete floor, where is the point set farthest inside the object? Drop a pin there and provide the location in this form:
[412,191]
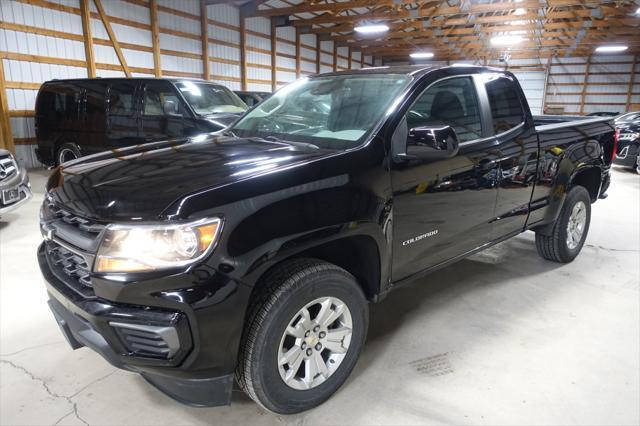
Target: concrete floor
[501,338]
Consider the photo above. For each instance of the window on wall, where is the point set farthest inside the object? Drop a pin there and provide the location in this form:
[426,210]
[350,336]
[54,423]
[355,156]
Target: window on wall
[453,102]
[504,100]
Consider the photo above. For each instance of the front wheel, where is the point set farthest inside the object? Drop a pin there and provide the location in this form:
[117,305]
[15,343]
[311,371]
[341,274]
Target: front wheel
[304,333]
[569,232]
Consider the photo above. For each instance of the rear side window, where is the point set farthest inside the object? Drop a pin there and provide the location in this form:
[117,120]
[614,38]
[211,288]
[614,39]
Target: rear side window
[504,100]
[95,101]
[122,98]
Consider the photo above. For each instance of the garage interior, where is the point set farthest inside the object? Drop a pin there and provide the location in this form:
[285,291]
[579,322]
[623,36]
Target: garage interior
[502,337]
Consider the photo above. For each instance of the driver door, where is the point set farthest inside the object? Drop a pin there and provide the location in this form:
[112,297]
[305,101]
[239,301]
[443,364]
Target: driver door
[443,208]
[156,123]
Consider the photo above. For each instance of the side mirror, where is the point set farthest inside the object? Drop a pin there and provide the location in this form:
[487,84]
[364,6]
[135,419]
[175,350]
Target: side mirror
[170,108]
[431,142]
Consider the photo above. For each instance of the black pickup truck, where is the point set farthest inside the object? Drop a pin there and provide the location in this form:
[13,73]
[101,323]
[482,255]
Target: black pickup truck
[254,253]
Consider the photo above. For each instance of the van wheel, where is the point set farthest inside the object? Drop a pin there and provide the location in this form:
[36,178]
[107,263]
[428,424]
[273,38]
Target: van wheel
[570,230]
[67,152]
[304,332]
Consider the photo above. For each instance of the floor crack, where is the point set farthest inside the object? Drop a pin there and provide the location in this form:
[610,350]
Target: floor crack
[74,405]
[612,249]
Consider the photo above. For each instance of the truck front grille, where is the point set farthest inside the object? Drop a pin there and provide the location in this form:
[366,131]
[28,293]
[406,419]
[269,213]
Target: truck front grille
[8,167]
[70,267]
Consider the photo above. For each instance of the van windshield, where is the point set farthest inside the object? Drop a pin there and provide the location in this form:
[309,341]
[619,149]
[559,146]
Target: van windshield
[207,99]
[334,112]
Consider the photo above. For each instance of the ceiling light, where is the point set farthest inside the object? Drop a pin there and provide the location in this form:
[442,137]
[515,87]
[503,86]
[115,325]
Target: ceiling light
[421,55]
[638,11]
[519,22]
[506,40]
[520,11]
[371,29]
[606,49]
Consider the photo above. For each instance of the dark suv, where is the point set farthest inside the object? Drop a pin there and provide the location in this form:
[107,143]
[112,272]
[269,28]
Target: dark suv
[85,116]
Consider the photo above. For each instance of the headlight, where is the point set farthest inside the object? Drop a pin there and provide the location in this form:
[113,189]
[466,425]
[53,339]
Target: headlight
[138,248]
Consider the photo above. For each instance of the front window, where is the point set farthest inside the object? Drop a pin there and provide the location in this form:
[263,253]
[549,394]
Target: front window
[632,116]
[329,112]
[206,99]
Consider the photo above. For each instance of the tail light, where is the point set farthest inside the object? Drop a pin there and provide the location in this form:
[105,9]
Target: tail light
[616,137]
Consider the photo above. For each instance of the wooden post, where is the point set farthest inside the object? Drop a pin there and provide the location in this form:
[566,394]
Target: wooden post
[112,37]
[88,38]
[350,55]
[583,95]
[6,135]
[243,51]
[632,76]
[318,54]
[204,33]
[546,84]
[298,49]
[274,46]
[335,56]
[155,38]
[362,59]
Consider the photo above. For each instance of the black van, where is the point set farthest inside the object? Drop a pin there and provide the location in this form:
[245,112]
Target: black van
[85,116]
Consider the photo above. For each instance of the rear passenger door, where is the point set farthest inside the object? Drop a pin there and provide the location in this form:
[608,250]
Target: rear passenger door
[93,115]
[156,124]
[516,145]
[122,114]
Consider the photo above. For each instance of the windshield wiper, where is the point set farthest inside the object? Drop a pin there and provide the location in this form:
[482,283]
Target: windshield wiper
[300,144]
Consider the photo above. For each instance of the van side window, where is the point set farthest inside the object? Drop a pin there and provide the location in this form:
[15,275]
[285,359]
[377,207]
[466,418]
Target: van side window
[504,100]
[452,101]
[121,98]
[95,102]
[65,101]
[155,96]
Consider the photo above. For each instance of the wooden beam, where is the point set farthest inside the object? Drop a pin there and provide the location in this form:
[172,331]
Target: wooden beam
[298,48]
[335,56]
[243,51]
[204,35]
[88,38]
[318,54]
[155,38]
[584,87]
[274,45]
[112,37]
[632,76]
[6,134]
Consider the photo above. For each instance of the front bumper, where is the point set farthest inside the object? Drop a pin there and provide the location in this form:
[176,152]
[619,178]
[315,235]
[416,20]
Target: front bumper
[20,182]
[187,370]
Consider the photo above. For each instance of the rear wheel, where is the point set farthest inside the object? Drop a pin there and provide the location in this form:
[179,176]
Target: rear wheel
[304,333]
[67,152]
[569,232]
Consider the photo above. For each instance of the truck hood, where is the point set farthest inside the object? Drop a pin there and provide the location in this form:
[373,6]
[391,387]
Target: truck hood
[141,182]
[223,120]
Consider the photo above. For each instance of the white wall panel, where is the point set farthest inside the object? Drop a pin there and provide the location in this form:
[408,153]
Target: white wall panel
[258,74]
[308,67]
[259,42]
[258,58]
[284,76]
[325,68]
[190,6]
[175,63]
[178,23]
[286,63]
[532,83]
[124,10]
[21,13]
[171,42]
[261,25]
[224,52]
[233,85]
[224,34]
[33,44]
[286,48]
[224,13]
[226,70]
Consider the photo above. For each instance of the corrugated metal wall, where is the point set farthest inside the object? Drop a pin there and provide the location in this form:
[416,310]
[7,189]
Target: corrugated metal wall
[42,40]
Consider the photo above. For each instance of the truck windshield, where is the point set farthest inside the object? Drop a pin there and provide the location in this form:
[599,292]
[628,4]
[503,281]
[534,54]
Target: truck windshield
[335,112]
[208,99]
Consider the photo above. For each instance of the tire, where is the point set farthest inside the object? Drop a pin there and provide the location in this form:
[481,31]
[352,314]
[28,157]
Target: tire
[557,245]
[67,152]
[284,292]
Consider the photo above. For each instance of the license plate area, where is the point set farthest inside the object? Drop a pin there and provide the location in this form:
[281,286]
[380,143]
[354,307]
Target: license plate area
[10,195]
